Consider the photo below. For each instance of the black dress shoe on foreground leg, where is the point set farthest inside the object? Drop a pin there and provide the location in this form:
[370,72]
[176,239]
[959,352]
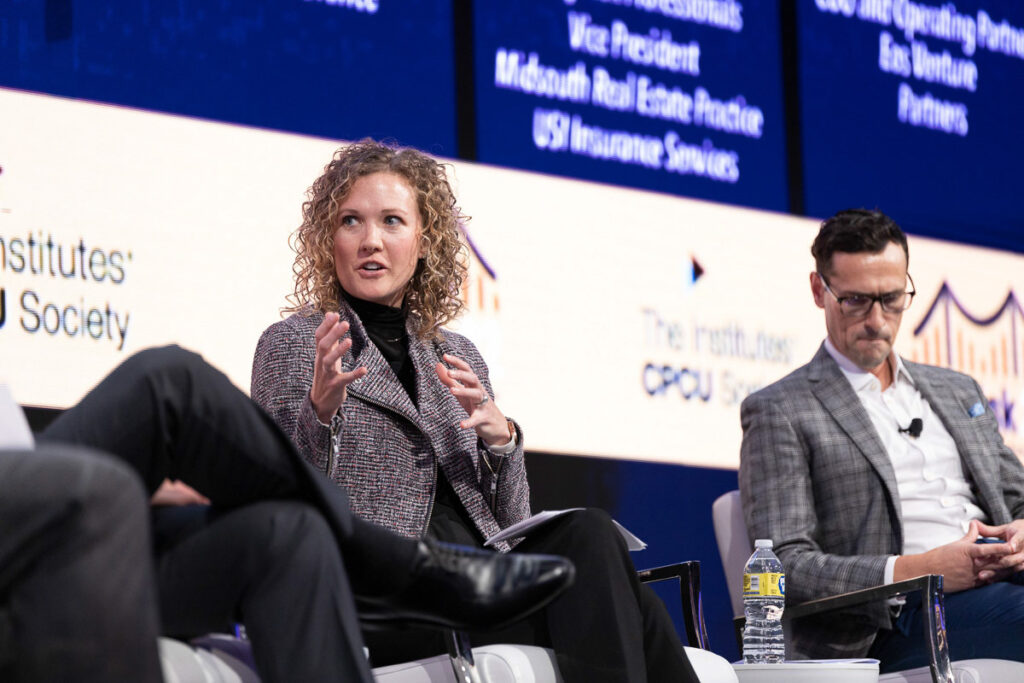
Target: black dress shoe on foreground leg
[455,586]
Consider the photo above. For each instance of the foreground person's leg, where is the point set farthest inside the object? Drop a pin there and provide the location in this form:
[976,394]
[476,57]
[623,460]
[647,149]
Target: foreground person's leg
[274,567]
[77,601]
[169,414]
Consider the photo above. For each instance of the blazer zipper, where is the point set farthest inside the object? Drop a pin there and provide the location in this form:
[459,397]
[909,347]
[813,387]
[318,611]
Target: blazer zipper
[332,452]
[495,471]
[430,510]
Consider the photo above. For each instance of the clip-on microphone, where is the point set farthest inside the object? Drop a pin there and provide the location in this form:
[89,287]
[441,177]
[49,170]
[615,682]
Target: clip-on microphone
[914,430]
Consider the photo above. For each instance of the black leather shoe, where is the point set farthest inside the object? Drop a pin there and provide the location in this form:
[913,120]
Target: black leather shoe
[454,586]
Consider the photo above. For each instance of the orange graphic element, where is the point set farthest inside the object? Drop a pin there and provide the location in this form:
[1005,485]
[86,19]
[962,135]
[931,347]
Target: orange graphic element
[480,286]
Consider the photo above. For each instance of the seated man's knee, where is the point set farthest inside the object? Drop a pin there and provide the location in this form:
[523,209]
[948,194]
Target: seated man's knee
[86,481]
[171,360]
[113,494]
[71,495]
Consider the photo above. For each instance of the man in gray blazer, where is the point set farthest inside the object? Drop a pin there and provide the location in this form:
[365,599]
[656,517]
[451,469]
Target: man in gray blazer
[865,468]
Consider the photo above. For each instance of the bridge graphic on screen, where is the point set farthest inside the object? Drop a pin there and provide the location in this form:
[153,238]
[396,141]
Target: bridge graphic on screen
[990,348]
[479,288]
[952,336]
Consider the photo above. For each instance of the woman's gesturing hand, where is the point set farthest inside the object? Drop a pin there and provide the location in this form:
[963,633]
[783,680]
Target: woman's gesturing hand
[329,381]
[483,415]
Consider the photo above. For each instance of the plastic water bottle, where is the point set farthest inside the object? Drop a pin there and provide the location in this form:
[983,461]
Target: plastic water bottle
[764,597]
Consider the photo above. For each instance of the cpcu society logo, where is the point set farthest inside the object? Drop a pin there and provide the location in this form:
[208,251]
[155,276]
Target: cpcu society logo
[43,267]
[59,287]
[691,383]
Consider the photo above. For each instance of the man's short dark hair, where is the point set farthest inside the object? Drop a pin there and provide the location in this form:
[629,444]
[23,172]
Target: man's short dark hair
[855,231]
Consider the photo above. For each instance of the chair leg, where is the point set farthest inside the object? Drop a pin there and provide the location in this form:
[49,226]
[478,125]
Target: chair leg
[935,631]
[461,655]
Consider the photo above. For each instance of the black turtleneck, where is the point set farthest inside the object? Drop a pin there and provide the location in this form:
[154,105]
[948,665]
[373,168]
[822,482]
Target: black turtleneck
[385,326]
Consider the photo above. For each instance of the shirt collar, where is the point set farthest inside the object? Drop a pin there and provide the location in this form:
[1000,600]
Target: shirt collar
[861,379]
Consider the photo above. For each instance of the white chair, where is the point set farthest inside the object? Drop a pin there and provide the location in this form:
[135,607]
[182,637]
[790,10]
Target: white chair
[528,664]
[513,663]
[734,548]
[182,663]
[493,664]
[489,663]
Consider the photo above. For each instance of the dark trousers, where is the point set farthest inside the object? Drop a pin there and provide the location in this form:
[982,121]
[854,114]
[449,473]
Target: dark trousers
[606,627]
[284,554]
[77,600]
[986,622]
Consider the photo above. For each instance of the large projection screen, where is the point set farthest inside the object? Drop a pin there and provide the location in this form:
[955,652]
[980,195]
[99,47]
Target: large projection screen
[616,322]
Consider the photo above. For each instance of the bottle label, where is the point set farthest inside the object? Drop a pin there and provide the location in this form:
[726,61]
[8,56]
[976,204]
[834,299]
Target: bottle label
[769,585]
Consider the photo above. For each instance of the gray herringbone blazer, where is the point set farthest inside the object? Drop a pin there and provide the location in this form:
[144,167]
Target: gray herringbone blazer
[389,449]
[815,479]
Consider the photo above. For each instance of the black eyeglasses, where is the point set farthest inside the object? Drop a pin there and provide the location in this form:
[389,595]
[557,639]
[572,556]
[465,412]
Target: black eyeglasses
[859,304]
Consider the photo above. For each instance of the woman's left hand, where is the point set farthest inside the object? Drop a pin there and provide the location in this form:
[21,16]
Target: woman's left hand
[483,415]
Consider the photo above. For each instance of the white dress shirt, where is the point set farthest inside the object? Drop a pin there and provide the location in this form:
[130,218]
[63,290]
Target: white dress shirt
[936,501]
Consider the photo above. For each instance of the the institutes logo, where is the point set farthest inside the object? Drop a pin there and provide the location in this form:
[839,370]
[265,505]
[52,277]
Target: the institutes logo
[61,285]
[694,353]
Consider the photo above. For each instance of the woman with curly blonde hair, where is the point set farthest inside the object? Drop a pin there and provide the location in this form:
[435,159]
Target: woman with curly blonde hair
[400,413]
[432,295]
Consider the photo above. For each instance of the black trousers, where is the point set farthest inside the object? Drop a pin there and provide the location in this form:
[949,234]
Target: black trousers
[77,598]
[283,554]
[608,627]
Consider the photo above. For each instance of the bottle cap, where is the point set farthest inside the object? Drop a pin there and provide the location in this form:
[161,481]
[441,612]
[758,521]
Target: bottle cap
[763,543]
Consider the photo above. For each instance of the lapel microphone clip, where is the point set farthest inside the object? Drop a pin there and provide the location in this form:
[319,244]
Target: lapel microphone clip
[914,430]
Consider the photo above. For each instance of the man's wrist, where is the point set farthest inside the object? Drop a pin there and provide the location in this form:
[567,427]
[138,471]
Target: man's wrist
[908,567]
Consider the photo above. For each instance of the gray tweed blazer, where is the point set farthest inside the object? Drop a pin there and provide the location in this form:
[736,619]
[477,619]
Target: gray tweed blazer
[388,450]
[815,479]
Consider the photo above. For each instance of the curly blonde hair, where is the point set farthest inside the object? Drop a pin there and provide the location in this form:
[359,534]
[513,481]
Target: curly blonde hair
[432,297]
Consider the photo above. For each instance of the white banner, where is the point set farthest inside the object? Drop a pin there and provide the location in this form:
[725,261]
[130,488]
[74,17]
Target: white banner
[616,322]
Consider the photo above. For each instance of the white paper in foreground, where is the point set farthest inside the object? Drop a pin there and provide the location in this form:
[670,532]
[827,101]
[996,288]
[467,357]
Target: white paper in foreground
[14,430]
[524,527]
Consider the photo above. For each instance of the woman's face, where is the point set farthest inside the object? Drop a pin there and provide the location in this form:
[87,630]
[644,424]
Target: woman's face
[377,241]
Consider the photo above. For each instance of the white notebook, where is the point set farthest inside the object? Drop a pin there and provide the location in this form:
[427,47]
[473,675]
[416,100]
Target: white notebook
[14,429]
[523,528]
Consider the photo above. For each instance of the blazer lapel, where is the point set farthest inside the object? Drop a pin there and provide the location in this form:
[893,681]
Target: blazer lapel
[952,408]
[380,385]
[833,390]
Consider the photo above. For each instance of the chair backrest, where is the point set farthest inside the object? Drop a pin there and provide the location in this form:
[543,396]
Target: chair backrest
[733,544]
